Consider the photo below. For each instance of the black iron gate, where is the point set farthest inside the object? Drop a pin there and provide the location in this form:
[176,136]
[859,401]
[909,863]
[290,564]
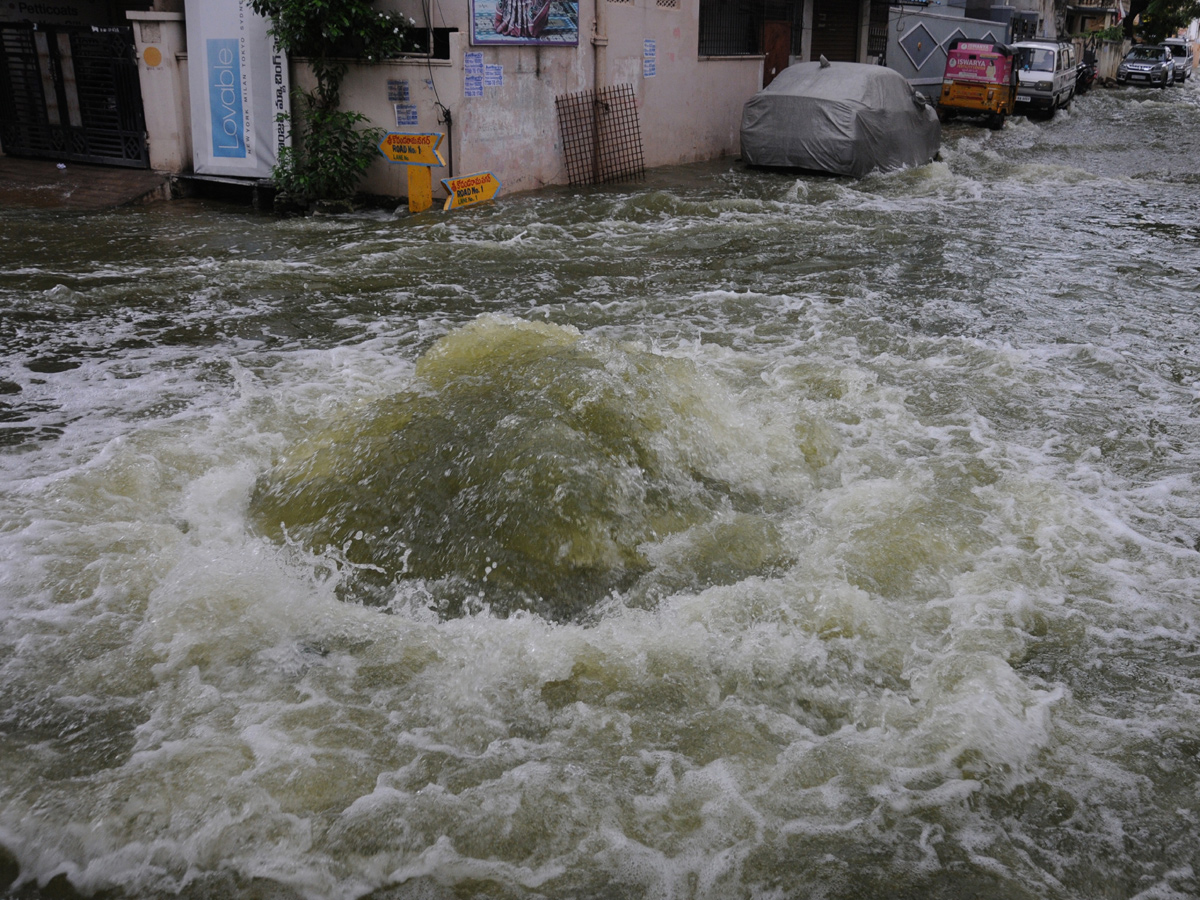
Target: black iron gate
[71,93]
[835,30]
[602,139]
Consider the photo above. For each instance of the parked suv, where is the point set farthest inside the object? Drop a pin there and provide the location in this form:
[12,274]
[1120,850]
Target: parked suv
[1047,74]
[1181,54]
[1147,64]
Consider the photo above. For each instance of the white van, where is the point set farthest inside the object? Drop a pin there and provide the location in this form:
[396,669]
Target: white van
[1047,71]
[1181,52]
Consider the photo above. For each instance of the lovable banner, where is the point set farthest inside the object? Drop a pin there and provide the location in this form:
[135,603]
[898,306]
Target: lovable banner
[239,86]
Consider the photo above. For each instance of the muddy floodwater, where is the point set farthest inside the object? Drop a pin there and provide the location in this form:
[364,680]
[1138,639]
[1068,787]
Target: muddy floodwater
[731,534]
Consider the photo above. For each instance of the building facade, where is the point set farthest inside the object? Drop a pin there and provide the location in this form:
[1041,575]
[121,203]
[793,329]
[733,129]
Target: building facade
[565,92]
[537,92]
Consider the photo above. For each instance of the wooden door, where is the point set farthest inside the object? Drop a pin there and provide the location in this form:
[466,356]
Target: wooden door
[777,48]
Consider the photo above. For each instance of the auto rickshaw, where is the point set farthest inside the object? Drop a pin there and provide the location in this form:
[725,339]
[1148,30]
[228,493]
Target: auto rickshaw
[980,79]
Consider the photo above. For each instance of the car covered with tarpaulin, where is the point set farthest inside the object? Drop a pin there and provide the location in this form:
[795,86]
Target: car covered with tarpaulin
[840,118]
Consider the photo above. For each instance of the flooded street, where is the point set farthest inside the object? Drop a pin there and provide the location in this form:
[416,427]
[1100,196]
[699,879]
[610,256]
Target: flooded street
[733,534]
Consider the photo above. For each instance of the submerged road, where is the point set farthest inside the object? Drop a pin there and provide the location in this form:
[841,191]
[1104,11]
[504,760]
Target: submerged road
[734,534]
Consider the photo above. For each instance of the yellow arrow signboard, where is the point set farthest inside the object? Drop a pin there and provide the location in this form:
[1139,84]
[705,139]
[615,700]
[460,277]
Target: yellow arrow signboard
[412,149]
[467,189]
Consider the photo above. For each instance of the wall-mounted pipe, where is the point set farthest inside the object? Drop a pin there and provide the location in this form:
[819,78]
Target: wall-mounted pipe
[599,48]
[599,81]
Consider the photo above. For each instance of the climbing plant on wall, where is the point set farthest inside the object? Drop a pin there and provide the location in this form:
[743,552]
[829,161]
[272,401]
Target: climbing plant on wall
[331,152]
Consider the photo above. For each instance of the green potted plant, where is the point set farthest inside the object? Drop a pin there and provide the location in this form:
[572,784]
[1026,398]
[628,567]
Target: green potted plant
[330,151]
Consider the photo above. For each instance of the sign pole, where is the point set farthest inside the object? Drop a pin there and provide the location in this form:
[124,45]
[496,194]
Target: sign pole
[420,153]
[420,189]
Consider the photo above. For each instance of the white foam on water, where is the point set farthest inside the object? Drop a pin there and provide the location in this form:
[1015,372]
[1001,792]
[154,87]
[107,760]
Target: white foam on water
[937,636]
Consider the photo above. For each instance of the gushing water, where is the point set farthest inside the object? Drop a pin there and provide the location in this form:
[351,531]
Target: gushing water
[732,535]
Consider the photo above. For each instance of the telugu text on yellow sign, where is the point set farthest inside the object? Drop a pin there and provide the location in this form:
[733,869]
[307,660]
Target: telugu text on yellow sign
[464,190]
[412,149]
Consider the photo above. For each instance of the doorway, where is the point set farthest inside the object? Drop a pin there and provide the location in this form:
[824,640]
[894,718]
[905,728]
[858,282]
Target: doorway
[71,93]
[835,31]
[777,48]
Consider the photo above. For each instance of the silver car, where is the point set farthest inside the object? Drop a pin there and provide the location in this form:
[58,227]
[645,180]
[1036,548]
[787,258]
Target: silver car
[1147,64]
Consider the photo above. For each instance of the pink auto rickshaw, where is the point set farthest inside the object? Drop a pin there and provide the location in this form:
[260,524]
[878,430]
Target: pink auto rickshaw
[980,79]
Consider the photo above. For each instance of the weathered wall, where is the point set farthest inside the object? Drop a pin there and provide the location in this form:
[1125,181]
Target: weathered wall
[689,109]
[162,73]
[1108,56]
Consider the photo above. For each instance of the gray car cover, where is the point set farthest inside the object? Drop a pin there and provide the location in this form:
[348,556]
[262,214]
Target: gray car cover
[843,118]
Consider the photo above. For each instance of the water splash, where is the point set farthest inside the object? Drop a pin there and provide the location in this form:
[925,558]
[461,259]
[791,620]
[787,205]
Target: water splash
[529,467]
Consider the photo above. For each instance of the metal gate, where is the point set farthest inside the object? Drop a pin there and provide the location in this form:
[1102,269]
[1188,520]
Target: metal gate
[835,30]
[917,42]
[71,93]
[601,136]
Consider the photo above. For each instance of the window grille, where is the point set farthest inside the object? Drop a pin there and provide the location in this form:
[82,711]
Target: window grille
[726,29]
[877,29]
[734,27]
[601,136]
[667,4]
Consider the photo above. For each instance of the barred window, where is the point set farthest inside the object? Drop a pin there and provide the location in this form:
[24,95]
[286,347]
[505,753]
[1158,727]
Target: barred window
[877,29]
[734,27]
[725,29]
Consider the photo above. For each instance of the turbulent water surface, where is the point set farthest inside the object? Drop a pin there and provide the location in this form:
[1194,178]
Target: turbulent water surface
[734,534]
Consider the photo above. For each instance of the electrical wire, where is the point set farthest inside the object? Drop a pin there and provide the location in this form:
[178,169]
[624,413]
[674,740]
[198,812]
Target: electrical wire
[444,115]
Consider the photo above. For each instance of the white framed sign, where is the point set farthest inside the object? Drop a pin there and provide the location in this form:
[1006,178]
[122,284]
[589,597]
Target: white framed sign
[239,86]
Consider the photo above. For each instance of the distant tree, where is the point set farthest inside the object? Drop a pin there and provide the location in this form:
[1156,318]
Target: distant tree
[1159,19]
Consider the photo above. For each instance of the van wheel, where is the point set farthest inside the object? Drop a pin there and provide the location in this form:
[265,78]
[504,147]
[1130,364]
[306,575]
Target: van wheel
[995,121]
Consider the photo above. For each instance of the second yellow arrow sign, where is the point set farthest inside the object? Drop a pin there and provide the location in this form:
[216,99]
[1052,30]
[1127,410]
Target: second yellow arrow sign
[467,189]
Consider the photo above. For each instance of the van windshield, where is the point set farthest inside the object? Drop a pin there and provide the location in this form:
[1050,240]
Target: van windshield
[1037,60]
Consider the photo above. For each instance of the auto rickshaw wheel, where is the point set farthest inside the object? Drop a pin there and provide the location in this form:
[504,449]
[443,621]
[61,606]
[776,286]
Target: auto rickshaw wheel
[996,121]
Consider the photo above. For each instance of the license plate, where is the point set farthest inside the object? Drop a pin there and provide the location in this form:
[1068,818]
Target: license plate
[1022,98]
[1137,77]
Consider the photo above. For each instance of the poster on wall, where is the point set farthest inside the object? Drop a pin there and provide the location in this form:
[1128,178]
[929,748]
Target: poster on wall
[523,22]
[239,86]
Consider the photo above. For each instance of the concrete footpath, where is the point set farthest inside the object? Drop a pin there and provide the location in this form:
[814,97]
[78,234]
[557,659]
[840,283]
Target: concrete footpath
[42,184]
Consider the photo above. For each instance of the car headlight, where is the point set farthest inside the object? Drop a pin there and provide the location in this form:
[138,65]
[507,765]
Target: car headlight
[1045,85]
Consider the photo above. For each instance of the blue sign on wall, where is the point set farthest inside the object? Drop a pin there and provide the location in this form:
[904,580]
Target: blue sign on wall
[225,98]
